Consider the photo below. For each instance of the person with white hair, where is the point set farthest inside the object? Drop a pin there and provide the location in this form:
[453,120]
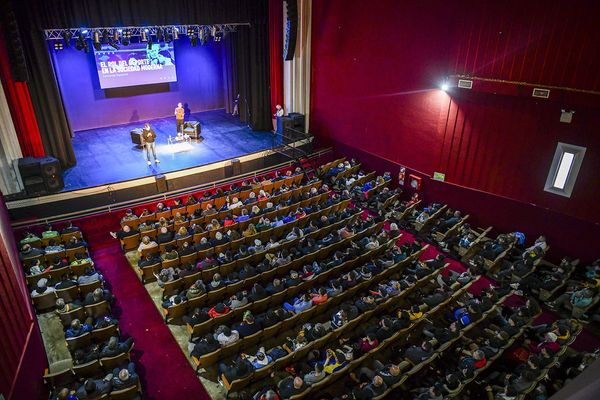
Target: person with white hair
[125,377]
[235,203]
[42,288]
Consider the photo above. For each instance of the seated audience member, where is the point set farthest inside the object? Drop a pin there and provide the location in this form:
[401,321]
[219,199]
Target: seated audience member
[239,368]
[416,354]
[94,388]
[260,360]
[198,316]
[315,375]
[290,386]
[90,275]
[146,243]
[42,288]
[114,347]
[29,252]
[248,326]
[125,231]
[64,307]
[226,336]
[124,377]
[97,296]
[205,345]
[77,329]
[218,310]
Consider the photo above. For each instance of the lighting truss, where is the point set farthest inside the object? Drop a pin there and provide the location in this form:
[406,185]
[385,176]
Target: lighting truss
[136,31]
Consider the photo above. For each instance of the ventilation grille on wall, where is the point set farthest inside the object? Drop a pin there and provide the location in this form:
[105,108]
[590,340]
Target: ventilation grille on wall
[465,84]
[541,93]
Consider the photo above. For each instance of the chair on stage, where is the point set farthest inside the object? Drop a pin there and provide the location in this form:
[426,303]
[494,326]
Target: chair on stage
[192,129]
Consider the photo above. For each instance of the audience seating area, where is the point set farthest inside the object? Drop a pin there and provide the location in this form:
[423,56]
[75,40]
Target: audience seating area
[294,285]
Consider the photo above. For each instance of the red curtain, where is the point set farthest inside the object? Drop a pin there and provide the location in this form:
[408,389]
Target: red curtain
[21,109]
[276,52]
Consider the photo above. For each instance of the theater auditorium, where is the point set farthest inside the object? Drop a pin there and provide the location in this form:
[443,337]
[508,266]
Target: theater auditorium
[299,199]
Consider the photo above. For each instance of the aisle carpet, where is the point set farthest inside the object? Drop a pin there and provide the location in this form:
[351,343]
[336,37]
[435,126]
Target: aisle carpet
[164,370]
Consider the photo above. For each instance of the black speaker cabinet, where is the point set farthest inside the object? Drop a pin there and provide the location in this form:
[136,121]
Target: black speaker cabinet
[291,30]
[35,185]
[161,183]
[29,166]
[51,172]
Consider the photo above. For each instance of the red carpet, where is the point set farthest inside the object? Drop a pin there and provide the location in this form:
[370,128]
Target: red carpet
[163,368]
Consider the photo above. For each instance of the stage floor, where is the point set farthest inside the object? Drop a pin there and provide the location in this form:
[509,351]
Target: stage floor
[107,155]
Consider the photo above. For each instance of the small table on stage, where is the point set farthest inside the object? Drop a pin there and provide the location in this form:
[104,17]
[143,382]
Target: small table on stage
[179,139]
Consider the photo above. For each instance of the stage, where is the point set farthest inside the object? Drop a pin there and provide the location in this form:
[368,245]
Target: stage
[107,155]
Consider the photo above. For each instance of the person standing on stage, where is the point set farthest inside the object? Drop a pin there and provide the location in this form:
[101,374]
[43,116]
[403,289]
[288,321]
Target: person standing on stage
[179,117]
[149,138]
[278,120]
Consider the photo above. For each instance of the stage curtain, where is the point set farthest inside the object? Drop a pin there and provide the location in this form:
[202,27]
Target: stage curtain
[35,15]
[252,55]
[47,102]
[20,110]
[230,83]
[9,149]
[296,73]
[276,52]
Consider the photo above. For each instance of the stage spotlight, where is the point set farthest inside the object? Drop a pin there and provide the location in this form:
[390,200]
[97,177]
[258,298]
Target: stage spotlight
[175,33]
[105,36]
[204,35]
[116,35]
[159,35]
[114,44]
[97,44]
[67,38]
[150,41]
[168,38]
[191,31]
[217,34]
[445,86]
[125,37]
[80,42]
[58,45]
[145,35]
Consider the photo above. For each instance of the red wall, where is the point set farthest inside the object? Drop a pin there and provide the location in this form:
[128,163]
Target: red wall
[23,355]
[375,78]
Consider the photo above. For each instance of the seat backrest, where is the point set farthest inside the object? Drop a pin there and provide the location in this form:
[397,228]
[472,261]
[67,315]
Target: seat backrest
[97,310]
[110,363]
[79,342]
[44,302]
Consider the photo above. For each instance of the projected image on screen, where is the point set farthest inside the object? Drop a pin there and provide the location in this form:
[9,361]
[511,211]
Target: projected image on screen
[135,65]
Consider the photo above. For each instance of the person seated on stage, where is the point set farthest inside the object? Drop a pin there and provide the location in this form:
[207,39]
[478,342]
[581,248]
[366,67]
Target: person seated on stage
[125,231]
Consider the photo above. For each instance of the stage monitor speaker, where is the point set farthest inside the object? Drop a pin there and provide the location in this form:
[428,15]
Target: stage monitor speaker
[51,172]
[29,166]
[161,183]
[291,30]
[35,185]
